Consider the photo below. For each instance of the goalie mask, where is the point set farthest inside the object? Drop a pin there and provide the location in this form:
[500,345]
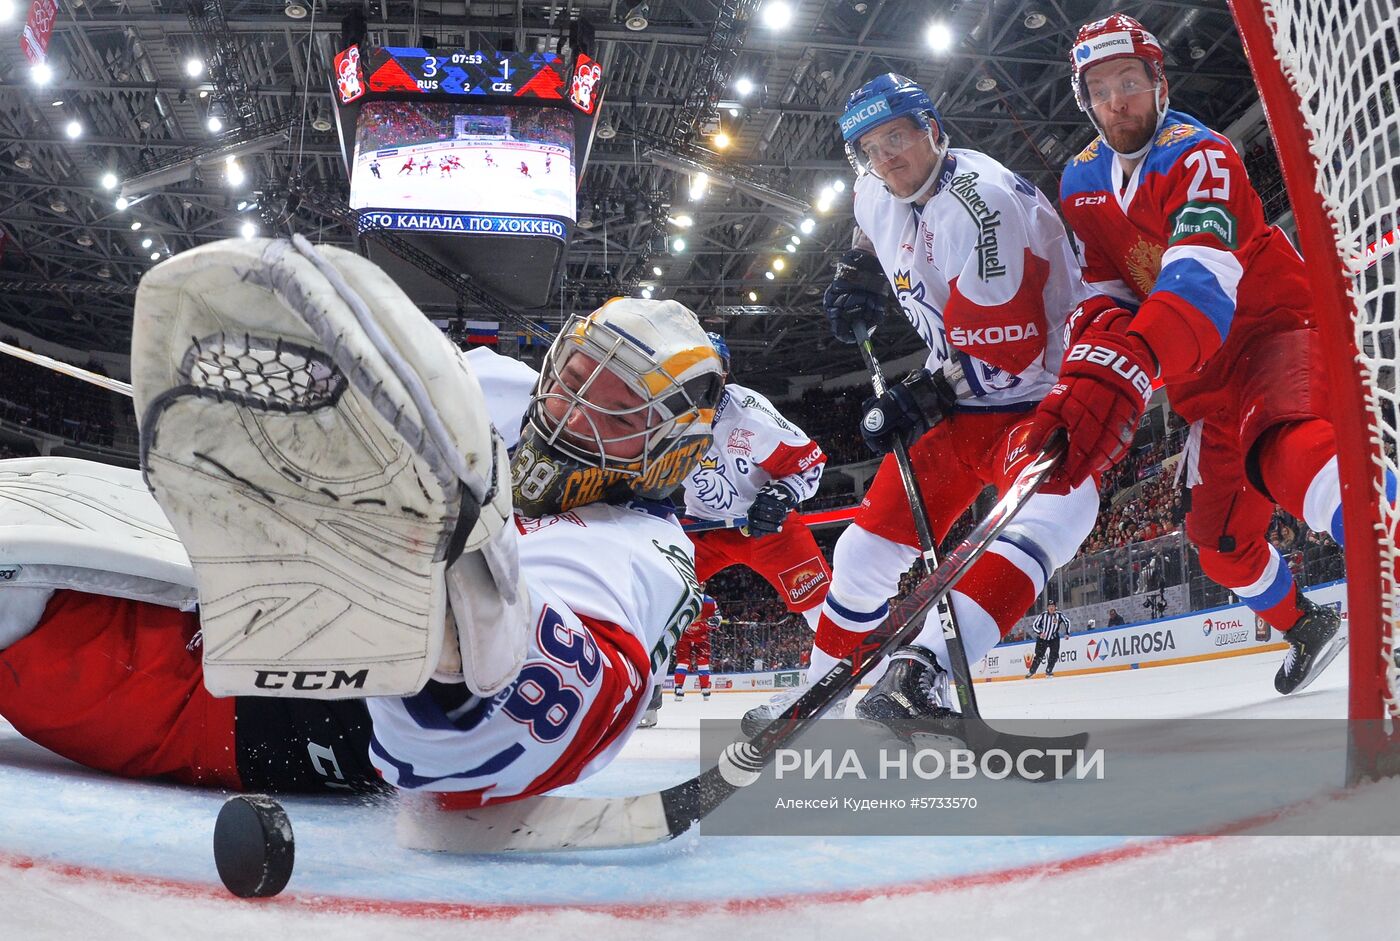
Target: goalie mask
[623,408]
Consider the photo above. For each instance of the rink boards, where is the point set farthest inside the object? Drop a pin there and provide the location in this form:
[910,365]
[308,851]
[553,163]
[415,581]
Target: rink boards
[1229,631]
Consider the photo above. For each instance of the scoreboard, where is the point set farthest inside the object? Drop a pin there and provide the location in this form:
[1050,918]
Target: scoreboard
[542,76]
[472,156]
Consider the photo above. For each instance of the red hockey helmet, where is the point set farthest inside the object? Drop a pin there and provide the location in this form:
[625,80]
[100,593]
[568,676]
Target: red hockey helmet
[1113,37]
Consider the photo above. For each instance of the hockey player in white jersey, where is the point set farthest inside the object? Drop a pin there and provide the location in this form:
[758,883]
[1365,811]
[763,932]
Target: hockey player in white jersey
[986,275]
[759,466]
[343,516]
[621,414]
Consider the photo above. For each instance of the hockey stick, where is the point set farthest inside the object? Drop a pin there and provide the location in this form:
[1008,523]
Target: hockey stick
[705,526]
[553,823]
[77,372]
[959,667]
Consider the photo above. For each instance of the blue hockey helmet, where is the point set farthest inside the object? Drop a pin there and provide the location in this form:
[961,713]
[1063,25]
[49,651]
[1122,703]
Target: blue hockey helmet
[883,99]
[722,349]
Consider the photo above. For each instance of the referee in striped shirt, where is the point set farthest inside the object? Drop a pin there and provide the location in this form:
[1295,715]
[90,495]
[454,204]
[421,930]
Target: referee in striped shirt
[1049,628]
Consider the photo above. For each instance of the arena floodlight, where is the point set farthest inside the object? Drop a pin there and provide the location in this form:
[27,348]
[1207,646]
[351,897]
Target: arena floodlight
[777,14]
[939,37]
[636,19]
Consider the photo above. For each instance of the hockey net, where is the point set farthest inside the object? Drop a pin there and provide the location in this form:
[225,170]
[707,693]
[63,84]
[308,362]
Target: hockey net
[1329,76]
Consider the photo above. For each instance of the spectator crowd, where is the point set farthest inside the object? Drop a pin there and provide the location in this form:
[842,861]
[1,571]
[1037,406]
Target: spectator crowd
[42,400]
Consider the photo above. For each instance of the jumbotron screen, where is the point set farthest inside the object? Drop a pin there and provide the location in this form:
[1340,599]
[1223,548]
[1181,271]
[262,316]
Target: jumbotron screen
[464,167]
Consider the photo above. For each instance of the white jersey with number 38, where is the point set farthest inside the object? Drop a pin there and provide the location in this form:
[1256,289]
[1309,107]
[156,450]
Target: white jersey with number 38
[612,588]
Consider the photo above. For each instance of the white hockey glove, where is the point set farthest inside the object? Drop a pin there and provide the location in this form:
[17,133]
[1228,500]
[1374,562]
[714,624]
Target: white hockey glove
[325,456]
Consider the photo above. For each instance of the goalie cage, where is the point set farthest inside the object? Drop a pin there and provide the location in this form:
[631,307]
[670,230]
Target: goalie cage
[1327,75]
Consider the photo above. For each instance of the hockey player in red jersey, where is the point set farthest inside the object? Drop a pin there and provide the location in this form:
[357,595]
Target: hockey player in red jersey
[693,649]
[760,467]
[407,167]
[986,275]
[1172,230]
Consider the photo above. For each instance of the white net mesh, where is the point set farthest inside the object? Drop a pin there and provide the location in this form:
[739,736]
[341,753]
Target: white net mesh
[273,373]
[1342,58]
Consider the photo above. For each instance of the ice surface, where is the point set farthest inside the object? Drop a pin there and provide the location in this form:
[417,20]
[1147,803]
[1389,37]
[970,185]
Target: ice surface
[84,854]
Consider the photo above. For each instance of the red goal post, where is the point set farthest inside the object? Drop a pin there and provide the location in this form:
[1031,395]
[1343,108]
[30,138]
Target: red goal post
[1327,74]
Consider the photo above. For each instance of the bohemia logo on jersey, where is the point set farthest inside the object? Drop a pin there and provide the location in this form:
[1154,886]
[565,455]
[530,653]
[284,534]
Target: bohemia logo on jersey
[803,579]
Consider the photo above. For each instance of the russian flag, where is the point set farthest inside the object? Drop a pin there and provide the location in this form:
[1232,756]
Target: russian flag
[482,332]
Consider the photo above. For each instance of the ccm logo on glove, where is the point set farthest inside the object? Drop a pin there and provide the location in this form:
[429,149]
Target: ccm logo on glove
[1103,356]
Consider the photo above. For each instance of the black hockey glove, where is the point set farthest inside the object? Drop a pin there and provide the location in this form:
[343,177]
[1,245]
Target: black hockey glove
[771,505]
[858,294]
[906,410]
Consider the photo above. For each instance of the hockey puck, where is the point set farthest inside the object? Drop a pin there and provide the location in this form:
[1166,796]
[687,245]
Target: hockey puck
[253,846]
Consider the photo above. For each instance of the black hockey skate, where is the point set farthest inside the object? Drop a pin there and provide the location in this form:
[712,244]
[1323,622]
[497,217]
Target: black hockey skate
[912,699]
[1313,642]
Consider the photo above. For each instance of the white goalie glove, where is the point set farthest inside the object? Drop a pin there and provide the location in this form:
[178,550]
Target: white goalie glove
[325,456]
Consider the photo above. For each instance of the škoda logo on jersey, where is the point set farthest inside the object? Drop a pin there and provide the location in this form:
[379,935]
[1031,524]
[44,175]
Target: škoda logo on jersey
[1116,361]
[990,336]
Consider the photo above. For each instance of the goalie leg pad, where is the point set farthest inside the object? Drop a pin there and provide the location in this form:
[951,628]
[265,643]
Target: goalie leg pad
[324,454]
[66,523]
